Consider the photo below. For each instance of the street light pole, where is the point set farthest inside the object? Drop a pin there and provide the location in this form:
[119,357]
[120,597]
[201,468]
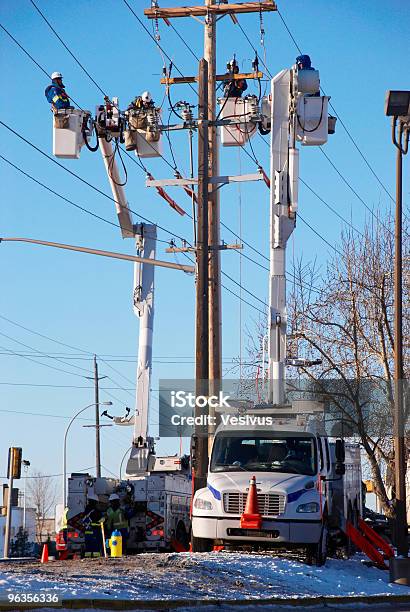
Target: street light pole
[398,107]
[399,445]
[65,447]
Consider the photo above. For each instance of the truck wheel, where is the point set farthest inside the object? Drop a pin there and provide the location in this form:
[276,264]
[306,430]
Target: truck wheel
[202,544]
[317,553]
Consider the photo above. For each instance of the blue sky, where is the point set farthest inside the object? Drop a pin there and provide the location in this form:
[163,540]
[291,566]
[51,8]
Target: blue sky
[85,301]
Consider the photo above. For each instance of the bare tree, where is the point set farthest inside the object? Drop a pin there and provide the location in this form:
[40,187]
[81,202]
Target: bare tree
[42,495]
[344,316]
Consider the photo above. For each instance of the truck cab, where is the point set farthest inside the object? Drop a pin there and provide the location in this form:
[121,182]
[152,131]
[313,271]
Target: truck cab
[293,467]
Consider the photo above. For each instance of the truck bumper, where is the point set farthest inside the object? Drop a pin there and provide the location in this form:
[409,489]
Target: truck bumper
[276,531]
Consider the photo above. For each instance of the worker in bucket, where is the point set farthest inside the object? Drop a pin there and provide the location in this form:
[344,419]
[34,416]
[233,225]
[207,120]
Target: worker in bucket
[116,520]
[56,93]
[142,102]
[92,523]
[303,62]
[234,88]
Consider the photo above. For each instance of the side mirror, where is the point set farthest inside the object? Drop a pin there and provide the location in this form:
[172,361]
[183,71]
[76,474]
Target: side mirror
[340,451]
[340,468]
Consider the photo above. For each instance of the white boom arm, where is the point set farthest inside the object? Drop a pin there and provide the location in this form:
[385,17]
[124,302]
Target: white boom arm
[121,204]
[298,113]
[282,224]
[144,309]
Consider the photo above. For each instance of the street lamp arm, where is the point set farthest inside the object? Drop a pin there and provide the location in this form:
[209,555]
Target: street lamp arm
[65,446]
[403,128]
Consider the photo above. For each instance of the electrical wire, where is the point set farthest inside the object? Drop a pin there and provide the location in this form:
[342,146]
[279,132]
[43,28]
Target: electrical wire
[33,60]
[41,353]
[364,158]
[67,48]
[42,385]
[46,365]
[83,180]
[331,208]
[319,235]
[194,55]
[82,208]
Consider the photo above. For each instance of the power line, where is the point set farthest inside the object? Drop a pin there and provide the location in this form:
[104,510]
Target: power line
[244,289]
[41,353]
[327,203]
[32,331]
[46,365]
[53,475]
[184,42]
[24,50]
[33,60]
[31,144]
[332,246]
[82,208]
[331,208]
[15,384]
[66,47]
[376,176]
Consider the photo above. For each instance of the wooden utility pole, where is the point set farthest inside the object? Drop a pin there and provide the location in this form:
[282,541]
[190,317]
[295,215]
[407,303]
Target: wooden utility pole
[215,319]
[97,420]
[210,10]
[200,452]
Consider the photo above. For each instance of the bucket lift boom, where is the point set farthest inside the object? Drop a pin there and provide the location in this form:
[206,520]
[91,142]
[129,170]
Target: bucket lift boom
[298,114]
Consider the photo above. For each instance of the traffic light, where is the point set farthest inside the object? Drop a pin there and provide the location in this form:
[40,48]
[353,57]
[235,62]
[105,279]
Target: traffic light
[14,464]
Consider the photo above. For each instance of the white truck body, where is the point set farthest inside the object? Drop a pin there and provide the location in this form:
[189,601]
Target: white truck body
[159,504]
[293,494]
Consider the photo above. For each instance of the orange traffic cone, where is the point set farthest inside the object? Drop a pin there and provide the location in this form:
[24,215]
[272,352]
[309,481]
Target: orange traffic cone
[44,554]
[251,517]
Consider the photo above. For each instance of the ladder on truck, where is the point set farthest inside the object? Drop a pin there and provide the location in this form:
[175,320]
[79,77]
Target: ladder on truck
[369,542]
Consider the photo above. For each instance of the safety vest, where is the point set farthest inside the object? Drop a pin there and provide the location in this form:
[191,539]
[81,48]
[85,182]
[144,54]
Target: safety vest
[116,519]
[64,519]
[57,96]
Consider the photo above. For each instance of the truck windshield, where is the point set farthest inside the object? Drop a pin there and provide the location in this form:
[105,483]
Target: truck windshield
[288,454]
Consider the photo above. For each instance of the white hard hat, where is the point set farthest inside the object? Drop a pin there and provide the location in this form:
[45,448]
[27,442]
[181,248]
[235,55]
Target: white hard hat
[113,496]
[56,75]
[92,495]
[146,96]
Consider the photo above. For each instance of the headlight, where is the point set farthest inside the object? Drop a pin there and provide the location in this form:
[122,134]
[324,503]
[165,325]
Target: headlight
[202,504]
[310,507]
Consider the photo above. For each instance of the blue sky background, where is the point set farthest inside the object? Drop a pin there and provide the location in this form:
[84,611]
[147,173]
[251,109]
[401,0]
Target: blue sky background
[84,301]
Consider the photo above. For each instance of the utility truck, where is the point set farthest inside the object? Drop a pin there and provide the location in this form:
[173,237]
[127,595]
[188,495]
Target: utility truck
[305,488]
[274,477]
[155,491]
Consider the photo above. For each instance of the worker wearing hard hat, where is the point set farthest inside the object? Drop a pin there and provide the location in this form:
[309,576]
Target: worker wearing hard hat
[142,102]
[56,93]
[92,523]
[116,519]
[136,115]
[303,62]
[234,88]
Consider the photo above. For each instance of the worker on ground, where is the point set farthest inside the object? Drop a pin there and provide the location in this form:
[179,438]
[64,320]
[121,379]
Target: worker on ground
[234,88]
[56,93]
[92,523]
[116,519]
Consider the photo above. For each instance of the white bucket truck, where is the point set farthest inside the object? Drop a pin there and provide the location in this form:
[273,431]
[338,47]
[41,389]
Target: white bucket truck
[304,490]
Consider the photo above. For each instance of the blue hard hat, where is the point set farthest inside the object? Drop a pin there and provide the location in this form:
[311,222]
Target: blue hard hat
[304,60]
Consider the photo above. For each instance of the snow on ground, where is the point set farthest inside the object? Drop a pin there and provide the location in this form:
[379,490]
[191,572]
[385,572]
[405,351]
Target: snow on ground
[196,576]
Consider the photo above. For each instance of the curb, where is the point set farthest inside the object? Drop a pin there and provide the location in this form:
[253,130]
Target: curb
[140,604]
